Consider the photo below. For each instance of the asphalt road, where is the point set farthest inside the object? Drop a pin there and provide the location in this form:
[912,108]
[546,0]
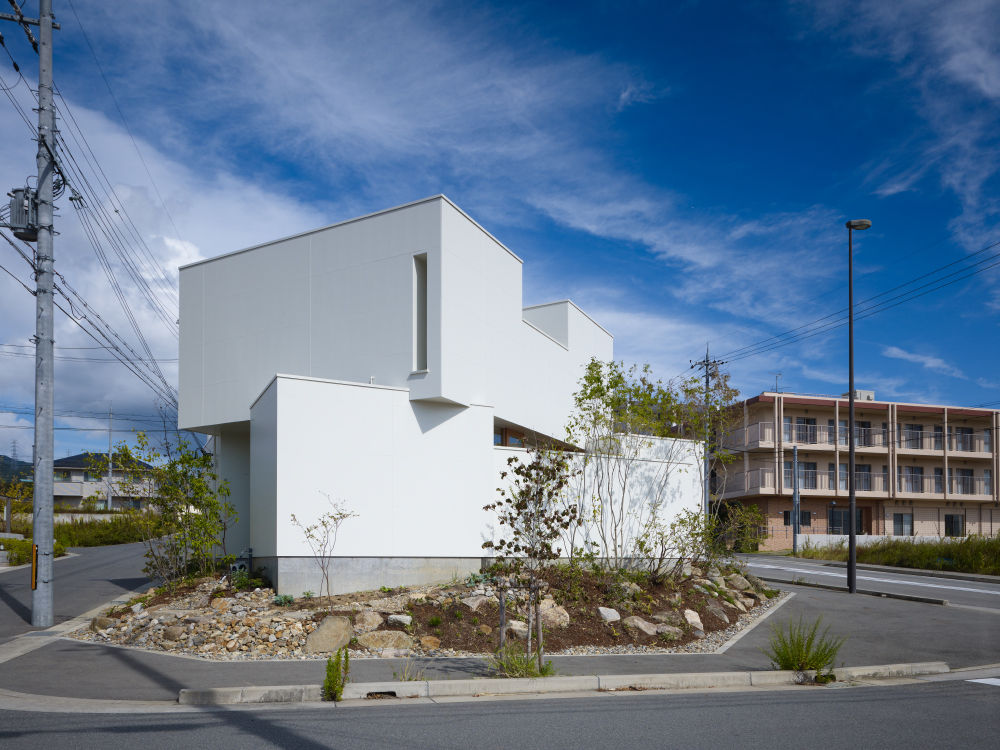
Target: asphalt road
[914,717]
[957,592]
[94,576]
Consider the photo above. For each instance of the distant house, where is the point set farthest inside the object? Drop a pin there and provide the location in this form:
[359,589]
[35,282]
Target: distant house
[386,361]
[75,481]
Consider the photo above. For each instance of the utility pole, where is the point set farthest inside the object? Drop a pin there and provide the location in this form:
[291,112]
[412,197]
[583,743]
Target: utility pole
[41,595]
[111,460]
[795,500]
[708,363]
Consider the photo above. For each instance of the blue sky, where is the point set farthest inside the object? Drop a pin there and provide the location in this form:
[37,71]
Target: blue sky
[682,171]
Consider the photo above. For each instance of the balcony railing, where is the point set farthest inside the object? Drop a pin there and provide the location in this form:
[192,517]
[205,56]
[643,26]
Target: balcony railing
[817,434]
[929,440]
[969,486]
[759,432]
[755,480]
[864,481]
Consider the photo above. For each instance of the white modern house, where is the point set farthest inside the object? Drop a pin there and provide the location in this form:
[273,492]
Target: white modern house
[387,362]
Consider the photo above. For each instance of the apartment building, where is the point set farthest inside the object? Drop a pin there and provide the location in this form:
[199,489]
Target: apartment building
[75,481]
[920,470]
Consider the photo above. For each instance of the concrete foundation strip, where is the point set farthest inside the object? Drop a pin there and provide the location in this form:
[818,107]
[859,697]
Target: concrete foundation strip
[869,592]
[524,686]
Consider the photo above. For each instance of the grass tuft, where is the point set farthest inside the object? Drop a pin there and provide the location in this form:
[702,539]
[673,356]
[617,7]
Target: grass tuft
[801,647]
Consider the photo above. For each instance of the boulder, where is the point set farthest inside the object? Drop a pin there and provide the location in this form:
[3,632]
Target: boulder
[367,621]
[639,624]
[102,623]
[716,609]
[668,617]
[754,581]
[403,620]
[625,590]
[518,629]
[738,582]
[736,604]
[484,629]
[474,602]
[669,630]
[333,633]
[553,615]
[608,615]
[430,643]
[221,604]
[693,619]
[173,633]
[385,639]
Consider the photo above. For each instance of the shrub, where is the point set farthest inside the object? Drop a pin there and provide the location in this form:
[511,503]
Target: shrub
[338,674]
[19,550]
[433,621]
[514,661]
[802,648]
[283,600]
[308,594]
[973,554]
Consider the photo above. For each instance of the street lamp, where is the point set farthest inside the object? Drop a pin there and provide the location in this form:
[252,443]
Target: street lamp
[852,539]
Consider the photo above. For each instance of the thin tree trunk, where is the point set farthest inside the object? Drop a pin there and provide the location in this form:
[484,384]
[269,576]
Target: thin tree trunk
[503,614]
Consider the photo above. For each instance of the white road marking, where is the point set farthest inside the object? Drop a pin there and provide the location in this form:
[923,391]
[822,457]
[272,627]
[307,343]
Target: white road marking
[987,681]
[842,574]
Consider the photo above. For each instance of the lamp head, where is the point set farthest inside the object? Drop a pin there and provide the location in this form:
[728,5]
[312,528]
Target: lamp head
[858,224]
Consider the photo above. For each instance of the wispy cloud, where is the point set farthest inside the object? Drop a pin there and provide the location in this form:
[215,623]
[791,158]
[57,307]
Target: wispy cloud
[927,361]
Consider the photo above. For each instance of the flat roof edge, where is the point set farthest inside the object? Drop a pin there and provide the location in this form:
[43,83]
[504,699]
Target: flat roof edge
[576,307]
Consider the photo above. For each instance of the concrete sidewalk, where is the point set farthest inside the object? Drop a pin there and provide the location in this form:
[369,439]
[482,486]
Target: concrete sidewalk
[879,631]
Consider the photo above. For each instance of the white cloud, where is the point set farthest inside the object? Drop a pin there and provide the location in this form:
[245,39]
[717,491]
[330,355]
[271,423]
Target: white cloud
[927,361]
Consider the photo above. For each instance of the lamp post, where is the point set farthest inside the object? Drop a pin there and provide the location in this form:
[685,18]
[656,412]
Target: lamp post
[852,539]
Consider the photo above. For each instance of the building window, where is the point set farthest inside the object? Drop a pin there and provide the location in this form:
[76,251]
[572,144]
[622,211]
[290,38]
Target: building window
[902,524]
[938,479]
[954,525]
[805,430]
[805,518]
[807,475]
[863,477]
[987,445]
[911,436]
[963,439]
[786,432]
[842,432]
[911,479]
[90,476]
[938,437]
[987,482]
[502,436]
[963,482]
[420,312]
[61,475]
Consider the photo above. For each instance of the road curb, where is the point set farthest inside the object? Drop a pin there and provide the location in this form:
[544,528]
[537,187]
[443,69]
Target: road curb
[522,686]
[868,592]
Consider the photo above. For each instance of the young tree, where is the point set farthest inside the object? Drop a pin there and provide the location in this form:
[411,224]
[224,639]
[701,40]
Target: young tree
[530,508]
[626,424]
[184,528]
[321,536]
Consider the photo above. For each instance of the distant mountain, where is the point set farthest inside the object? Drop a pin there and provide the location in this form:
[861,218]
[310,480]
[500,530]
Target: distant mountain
[9,468]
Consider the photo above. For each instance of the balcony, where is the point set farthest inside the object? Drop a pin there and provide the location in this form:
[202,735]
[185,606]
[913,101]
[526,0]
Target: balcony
[757,435]
[826,481]
[826,436]
[753,482]
[966,488]
[928,441]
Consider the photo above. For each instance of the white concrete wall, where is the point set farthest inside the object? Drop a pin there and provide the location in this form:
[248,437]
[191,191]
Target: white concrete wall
[417,474]
[337,303]
[666,471]
[232,454]
[264,457]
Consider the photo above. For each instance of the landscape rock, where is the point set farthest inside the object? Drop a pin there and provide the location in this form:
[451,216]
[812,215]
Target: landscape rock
[553,615]
[518,629]
[735,604]
[221,603]
[668,617]
[669,630]
[754,581]
[137,608]
[430,643]
[367,621]
[385,639]
[716,609]
[173,633]
[484,629]
[694,620]
[639,624]
[403,620]
[608,615]
[102,623]
[474,602]
[390,604]
[738,582]
[333,633]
